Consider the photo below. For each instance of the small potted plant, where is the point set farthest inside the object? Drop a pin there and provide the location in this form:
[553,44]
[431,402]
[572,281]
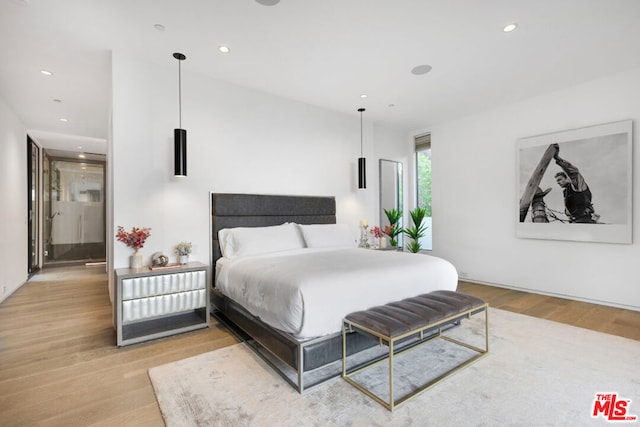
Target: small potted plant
[183,249]
[393,230]
[416,232]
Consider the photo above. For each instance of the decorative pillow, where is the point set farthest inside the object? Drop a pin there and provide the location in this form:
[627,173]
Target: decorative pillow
[243,241]
[327,235]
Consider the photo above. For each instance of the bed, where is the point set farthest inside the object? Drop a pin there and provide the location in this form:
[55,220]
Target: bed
[286,274]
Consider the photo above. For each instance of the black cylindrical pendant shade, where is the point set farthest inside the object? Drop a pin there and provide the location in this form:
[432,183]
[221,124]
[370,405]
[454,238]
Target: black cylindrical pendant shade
[180,154]
[362,172]
[362,162]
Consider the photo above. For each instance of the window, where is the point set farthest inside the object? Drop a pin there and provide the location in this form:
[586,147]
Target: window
[423,184]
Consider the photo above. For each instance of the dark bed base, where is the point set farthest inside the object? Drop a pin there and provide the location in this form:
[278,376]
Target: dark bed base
[310,354]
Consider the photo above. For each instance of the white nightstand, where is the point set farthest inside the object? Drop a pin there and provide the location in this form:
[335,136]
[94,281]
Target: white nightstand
[151,304]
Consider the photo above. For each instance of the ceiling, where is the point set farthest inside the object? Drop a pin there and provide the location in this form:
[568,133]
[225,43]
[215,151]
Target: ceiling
[322,52]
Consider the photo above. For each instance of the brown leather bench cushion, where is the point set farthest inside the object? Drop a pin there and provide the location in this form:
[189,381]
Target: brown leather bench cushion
[410,314]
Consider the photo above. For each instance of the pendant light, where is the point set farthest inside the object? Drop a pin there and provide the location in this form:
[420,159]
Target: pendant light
[180,135]
[362,167]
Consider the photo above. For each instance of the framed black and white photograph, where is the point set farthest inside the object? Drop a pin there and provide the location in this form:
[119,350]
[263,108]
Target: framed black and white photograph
[577,184]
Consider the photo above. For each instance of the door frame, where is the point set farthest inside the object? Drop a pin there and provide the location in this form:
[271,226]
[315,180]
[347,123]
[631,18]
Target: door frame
[55,155]
[34,196]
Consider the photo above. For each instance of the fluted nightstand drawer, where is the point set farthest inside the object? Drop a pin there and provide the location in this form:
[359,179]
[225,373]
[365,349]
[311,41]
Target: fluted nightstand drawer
[151,304]
[169,283]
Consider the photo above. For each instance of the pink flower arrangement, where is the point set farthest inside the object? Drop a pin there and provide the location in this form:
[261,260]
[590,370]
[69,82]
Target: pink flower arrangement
[135,238]
[377,233]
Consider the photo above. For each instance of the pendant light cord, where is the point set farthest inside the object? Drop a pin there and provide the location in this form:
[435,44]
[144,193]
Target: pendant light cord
[180,94]
[180,57]
[361,149]
[361,155]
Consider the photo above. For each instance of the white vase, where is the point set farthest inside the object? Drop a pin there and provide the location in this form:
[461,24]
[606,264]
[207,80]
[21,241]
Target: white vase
[135,261]
[383,242]
[183,259]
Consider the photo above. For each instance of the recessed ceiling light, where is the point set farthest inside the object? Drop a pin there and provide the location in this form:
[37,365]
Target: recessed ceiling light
[57,101]
[421,69]
[79,147]
[46,72]
[81,156]
[391,105]
[159,27]
[364,95]
[268,2]
[64,120]
[224,49]
[509,28]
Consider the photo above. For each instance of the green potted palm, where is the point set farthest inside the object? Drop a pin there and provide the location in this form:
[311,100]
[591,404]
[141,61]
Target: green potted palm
[393,230]
[417,230]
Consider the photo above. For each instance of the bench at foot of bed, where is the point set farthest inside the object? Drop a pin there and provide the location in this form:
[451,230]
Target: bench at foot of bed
[421,318]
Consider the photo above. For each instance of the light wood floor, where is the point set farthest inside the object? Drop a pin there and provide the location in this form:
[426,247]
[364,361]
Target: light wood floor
[59,364]
[610,320]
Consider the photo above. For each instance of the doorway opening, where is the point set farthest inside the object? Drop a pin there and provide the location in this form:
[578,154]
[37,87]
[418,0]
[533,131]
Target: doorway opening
[73,208]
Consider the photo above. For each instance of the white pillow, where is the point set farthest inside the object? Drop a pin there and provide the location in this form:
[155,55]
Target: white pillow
[327,235]
[223,238]
[243,241]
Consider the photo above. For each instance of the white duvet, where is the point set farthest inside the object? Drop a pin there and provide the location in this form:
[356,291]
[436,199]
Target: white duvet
[307,292]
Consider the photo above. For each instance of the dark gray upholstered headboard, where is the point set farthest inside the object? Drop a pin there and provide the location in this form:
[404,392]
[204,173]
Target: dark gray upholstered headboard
[259,210]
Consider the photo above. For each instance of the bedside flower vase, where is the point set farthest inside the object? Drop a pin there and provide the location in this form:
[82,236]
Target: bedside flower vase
[364,238]
[135,261]
[183,259]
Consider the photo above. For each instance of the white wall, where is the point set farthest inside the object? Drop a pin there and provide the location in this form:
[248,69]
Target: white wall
[475,197]
[13,214]
[239,140]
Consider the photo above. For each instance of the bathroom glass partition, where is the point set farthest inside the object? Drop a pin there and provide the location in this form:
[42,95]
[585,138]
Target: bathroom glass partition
[391,192]
[74,211]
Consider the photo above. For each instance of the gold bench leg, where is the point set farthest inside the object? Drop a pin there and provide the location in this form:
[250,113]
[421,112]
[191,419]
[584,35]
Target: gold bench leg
[391,375]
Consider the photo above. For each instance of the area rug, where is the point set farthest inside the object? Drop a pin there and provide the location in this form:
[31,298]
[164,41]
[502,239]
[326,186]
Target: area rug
[537,373]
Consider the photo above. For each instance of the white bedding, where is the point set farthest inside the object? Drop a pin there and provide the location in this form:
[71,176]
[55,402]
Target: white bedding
[307,292]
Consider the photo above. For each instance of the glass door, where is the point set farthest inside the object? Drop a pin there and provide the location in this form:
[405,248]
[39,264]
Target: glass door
[74,211]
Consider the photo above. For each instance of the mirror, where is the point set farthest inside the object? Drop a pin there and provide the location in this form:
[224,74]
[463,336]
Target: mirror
[391,194]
